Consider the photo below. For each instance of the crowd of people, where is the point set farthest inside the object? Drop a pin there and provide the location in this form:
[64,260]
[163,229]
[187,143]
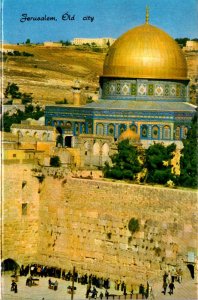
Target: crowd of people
[92,281]
[168,280]
[40,270]
[45,271]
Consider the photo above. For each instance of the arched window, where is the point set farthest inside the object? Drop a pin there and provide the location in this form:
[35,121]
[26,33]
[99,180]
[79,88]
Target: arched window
[68,126]
[44,136]
[76,128]
[144,132]
[133,128]
[90,127]
[111,129]
[185,131]
[105,149]
[155,132]
[122,128]
[166,132]
[100,129]
[19,133]
[86,147]
[83,128]
[96,149]
[35,135]
[177,133]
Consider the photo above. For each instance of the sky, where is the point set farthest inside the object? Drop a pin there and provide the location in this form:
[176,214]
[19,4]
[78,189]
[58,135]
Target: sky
[103,18]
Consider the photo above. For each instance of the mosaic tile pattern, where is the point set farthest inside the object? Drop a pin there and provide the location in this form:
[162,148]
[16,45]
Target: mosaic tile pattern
[159,90]
[125,90]
[145,88]
[142,89]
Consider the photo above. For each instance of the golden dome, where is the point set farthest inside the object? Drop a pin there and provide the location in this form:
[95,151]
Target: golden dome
[130,135]
[145,52]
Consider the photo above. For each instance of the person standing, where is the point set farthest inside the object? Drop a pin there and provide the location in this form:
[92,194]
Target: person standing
[165,287]
[107,294]
[171,287]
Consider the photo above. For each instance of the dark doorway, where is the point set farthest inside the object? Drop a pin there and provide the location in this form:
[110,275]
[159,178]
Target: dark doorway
[59,129]
[191,269]
[68,140]
[9,265]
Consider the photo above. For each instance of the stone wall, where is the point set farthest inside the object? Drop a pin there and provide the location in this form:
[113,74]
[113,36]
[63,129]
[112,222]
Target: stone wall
[20,232]
[84,223]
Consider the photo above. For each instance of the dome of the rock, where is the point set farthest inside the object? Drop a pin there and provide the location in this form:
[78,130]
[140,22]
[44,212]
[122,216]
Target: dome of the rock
[145,52]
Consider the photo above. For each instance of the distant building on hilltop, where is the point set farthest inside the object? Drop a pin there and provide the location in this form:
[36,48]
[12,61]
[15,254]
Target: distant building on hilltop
[191,46]
[101,42]
[52,44]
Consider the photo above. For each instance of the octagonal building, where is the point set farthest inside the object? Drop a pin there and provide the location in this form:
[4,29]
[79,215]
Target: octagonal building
[144,87]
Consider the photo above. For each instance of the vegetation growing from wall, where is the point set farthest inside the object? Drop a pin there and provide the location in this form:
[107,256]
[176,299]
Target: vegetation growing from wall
[133,225]
[125,163]
[189,158]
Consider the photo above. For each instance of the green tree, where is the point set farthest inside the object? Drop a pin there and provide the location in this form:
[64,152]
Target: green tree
[158,163]
[12,90]
[28,42]
[182,41]
[189,159]
[29,108]
[18,116]
[125,163]
[55,161]
[26,98]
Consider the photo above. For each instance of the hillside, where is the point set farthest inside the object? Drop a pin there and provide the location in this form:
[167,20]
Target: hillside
[50,73]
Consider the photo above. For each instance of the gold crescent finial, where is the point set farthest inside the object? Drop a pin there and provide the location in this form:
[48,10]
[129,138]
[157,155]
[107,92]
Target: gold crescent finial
[147,14]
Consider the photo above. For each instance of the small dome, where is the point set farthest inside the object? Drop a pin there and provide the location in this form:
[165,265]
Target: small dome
[130,135]
[145,52]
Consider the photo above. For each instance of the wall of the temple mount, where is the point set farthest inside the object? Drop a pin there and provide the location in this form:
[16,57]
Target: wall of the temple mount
[84,223]
[20,229]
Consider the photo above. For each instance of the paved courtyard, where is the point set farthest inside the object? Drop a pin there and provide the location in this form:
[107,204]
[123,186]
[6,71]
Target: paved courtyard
[187,290]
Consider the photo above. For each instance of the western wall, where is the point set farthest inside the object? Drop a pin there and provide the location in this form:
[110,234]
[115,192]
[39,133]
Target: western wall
[66,222]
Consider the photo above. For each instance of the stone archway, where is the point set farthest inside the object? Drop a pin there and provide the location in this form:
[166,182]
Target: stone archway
[68,141]
[9,264]
[105,153]
[191,268]
[96,154]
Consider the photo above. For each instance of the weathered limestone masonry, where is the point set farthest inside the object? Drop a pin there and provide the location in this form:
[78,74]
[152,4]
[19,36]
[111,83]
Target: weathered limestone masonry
[84,223]
[20,232]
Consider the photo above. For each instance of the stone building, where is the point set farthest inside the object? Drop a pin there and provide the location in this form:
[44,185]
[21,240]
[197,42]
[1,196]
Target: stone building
[101,42]
[144,87]
[191,46]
